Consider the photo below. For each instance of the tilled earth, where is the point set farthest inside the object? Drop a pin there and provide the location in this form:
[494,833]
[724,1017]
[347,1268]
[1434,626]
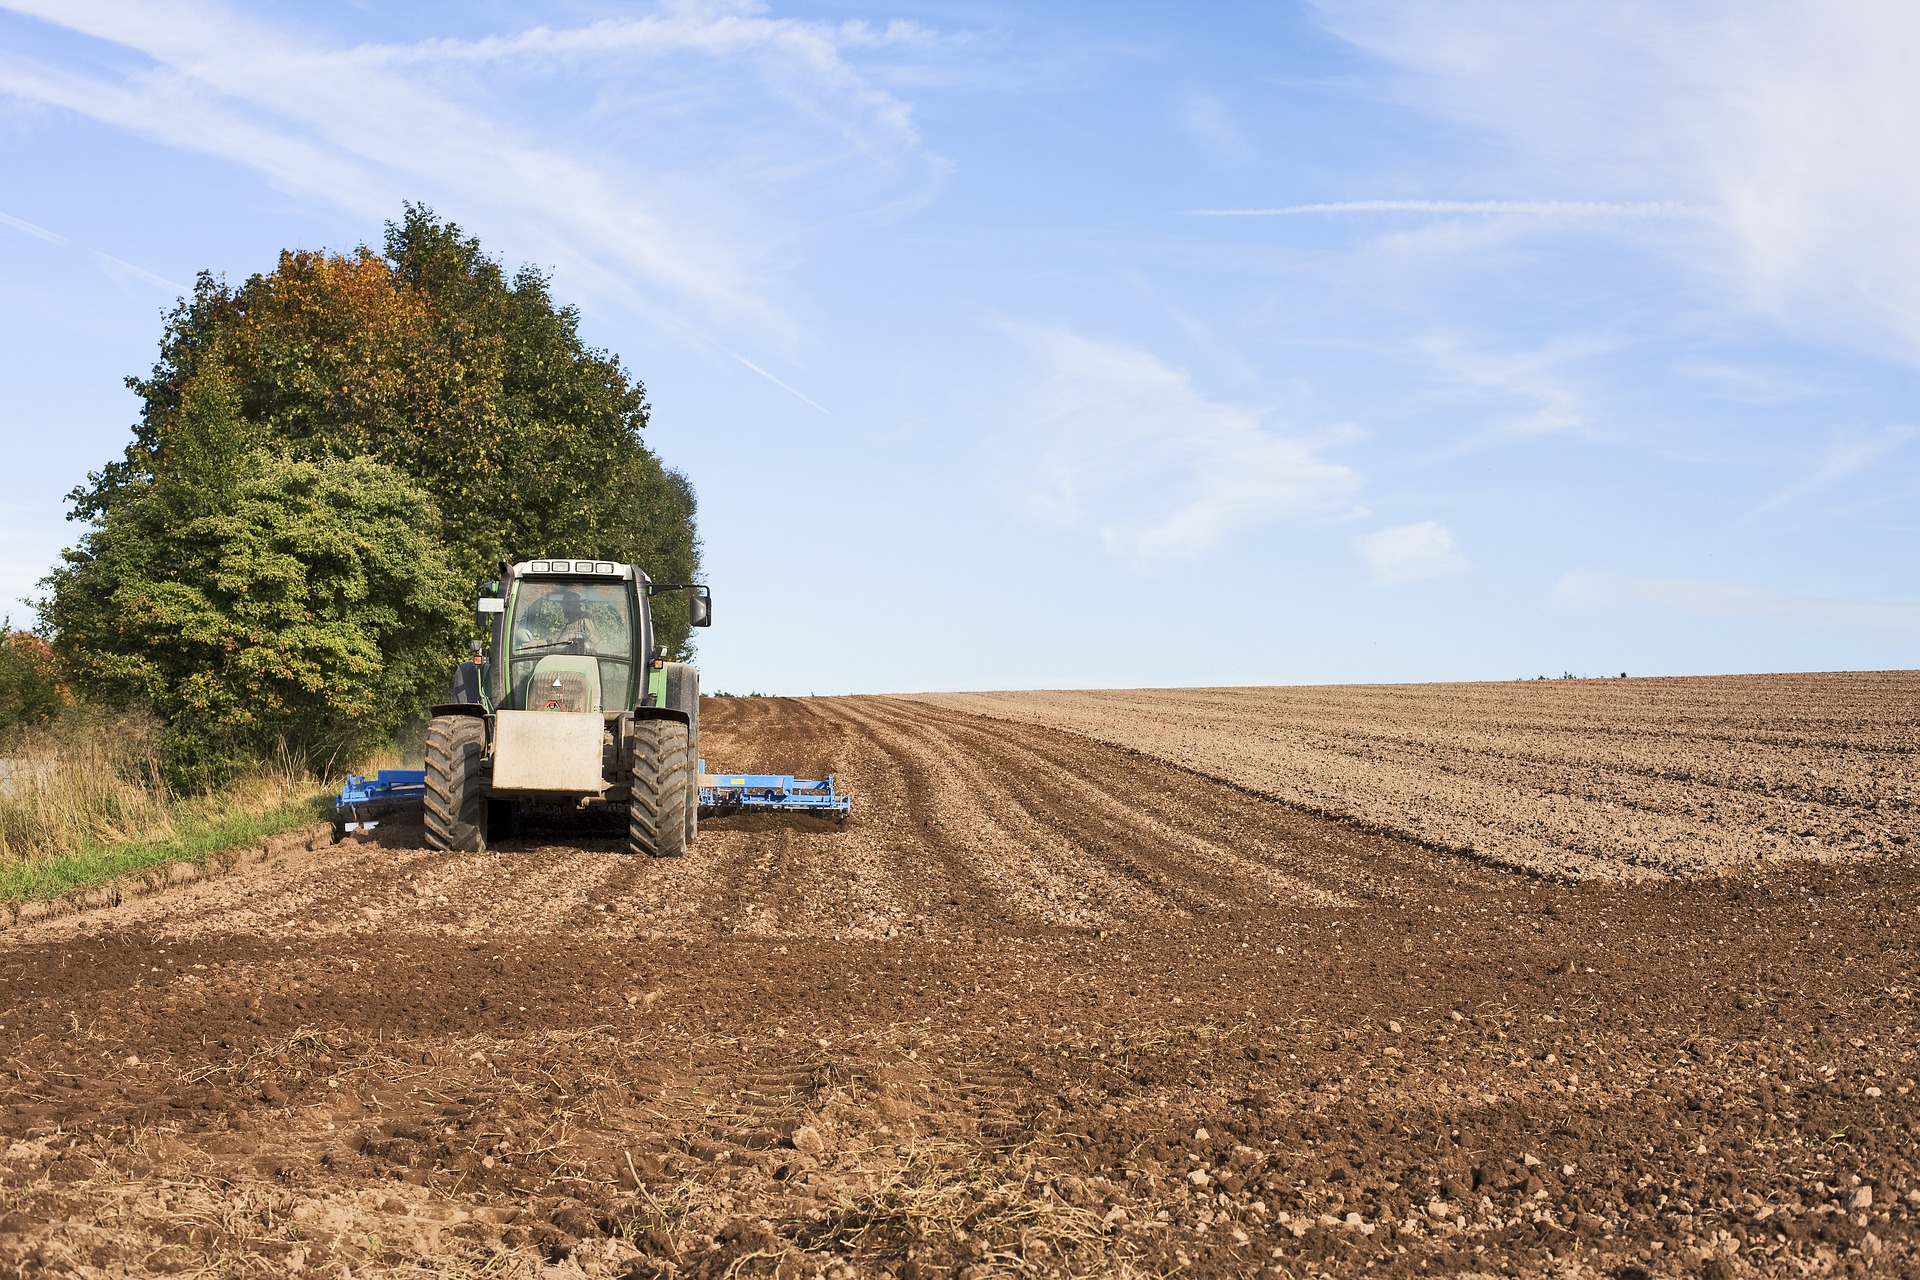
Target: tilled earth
[1572,779]
[1044,1005]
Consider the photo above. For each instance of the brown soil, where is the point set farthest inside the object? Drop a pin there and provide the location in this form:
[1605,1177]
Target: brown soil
[1043,1006]
[1573,779]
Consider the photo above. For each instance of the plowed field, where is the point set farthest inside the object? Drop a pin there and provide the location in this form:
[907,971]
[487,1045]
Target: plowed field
[1573,779]
[1046,1005]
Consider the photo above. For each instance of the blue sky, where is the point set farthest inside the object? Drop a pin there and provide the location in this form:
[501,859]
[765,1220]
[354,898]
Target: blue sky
[1091,344]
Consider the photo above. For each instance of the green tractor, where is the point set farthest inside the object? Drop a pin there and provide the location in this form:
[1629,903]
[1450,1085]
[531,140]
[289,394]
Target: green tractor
[571,707]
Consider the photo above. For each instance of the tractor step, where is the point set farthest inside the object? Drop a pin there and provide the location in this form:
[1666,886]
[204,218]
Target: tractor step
[364,801]
[769,793]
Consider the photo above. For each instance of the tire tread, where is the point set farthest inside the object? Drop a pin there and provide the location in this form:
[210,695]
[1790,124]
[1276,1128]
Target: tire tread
[455,802]
[657,788]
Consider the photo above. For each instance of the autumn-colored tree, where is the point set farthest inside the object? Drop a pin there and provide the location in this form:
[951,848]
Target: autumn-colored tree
[30,688]
[429,358]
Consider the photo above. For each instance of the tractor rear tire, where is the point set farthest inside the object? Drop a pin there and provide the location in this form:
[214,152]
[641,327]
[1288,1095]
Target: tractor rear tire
[658,769]
[458,777]
[683,694]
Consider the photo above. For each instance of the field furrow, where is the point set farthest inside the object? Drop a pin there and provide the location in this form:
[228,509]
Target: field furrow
[1094,984]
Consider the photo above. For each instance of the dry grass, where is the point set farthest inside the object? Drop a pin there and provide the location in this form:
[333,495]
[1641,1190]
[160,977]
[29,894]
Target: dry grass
[80,782]
[82,800]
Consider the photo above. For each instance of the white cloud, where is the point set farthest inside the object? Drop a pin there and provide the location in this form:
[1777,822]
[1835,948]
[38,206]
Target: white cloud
[1725,599]
[1412,553]
[1744,384]
[1114,436]
[1792,121]
[676,160]
[1843,460]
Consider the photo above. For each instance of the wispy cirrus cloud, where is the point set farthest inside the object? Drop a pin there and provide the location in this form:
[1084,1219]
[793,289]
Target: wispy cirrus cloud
[696,148]
[1539,394]
[1842,461]
[1745,383]
[1211,126]
[1793,122]
[1111,435]
[1521,208]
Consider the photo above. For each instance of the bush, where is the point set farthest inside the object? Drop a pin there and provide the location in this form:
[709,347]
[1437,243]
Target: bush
[261,604]
[30,688]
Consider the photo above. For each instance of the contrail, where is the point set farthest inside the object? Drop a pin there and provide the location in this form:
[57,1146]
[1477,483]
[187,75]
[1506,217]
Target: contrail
[775,381]
[120,266]
[700,336]
[32,229]
[1534,208]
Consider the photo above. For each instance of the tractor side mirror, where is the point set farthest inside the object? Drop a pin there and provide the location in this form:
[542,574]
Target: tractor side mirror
[700,608]
[491,604]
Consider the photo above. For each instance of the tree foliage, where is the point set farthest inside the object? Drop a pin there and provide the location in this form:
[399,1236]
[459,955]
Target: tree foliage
[268,603]
[429,358]
[327,459]
[31,691]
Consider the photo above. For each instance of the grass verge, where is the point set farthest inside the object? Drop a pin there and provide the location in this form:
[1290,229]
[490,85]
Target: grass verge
[193,840]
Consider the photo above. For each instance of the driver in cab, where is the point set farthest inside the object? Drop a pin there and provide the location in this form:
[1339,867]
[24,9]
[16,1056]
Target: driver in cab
[560,621]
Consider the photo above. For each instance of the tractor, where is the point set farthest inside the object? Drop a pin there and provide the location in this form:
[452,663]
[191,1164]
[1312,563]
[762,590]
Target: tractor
[572,706]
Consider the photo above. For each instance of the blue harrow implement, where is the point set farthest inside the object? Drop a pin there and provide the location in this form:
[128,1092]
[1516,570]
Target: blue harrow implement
[722,793]
[364,801]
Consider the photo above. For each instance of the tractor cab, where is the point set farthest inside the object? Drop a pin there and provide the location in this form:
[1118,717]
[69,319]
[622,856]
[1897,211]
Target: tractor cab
[575,636]
[572,642]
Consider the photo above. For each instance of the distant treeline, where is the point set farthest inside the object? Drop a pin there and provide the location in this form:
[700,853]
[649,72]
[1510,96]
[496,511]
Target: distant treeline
[328,459]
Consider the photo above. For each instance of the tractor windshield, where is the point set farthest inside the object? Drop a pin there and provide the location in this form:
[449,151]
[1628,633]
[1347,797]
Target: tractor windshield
[586,619]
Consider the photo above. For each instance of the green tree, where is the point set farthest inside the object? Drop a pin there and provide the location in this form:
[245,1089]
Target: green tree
[430,359]
[258,601]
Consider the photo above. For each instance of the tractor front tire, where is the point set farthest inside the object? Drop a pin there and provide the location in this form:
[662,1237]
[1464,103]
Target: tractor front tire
[658,772]
[458,775]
